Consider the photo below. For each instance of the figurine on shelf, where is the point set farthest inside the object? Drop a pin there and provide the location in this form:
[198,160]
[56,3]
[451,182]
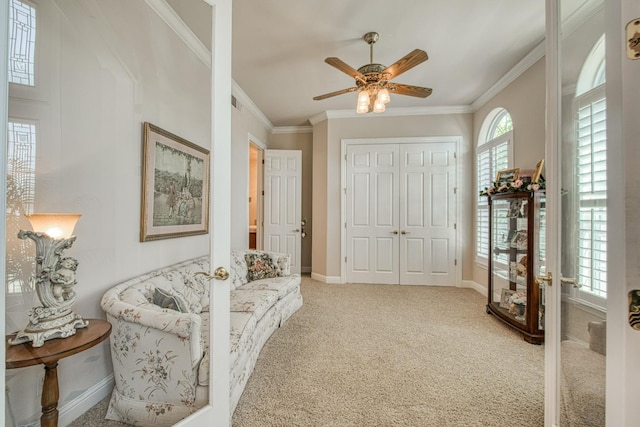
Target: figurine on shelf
[521,267]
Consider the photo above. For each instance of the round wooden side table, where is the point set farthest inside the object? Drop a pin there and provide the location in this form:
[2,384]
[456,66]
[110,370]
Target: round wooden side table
[23,355]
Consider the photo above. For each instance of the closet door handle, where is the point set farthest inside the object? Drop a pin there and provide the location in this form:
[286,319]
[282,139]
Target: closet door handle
[394,232]
[405,232]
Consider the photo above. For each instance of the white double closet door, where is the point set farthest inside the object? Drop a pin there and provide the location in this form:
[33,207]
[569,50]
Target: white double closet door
[400,213]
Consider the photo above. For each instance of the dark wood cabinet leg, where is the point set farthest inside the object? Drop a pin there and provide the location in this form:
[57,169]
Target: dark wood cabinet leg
[50,396]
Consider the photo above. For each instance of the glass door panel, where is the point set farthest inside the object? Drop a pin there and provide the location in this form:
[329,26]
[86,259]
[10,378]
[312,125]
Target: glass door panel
[583,222]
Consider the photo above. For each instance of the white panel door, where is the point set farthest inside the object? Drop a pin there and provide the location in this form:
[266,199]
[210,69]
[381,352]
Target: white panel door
[400,213]
[372,214]
[283,203]
[427,214]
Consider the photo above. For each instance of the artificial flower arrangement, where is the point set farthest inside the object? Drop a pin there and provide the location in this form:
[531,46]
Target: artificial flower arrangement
[502,187]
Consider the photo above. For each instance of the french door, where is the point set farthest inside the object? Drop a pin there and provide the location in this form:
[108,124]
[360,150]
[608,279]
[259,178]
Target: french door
[400,213]
[576,152]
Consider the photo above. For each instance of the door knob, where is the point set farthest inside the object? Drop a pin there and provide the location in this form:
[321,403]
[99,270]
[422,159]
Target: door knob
[221,273]
[546,278]
[297,230]
[394,232]
[570,281]
[405,232]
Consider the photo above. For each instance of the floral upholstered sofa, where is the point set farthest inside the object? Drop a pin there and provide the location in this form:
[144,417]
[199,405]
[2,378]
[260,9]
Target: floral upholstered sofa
[160,333]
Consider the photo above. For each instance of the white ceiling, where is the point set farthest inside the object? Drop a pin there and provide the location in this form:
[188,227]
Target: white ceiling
[279,47]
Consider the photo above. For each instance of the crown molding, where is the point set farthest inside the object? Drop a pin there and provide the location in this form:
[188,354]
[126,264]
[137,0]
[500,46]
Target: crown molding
[569,25]
[525,63]
[292,129]
[244,99]
[392,112]
[173,20]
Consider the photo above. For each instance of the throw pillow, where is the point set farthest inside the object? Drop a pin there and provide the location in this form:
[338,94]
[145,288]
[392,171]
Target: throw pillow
[165,299]
[283,267]
[259,266]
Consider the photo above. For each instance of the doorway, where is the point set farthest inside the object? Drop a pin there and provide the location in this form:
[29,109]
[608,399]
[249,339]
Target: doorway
[256,156]
[400,212]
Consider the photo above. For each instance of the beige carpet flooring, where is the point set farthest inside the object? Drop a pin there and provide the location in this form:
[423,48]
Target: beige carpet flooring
[377,355]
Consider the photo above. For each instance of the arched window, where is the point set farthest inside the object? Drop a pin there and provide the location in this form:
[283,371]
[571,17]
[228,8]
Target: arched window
[590,121]
[494,153]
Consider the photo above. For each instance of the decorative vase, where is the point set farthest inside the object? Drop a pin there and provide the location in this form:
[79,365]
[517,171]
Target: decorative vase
[520,309]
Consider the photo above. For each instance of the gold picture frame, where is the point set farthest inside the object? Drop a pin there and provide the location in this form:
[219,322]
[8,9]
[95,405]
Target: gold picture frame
[508,175]
[175,186]
[538,172]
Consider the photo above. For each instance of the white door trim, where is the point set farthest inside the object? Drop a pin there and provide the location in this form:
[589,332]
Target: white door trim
[260,176]
[4,114]
[217,412]
[397,140]
[552,167]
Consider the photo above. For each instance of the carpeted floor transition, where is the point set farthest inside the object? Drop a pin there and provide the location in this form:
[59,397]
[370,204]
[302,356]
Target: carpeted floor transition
[379,355]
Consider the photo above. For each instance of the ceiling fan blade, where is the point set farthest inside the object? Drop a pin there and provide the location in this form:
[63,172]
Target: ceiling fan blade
[338,92]
[344,67]
[400,89]
[406,63]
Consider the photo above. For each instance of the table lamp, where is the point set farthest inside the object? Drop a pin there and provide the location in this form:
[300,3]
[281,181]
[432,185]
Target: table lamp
[54,280]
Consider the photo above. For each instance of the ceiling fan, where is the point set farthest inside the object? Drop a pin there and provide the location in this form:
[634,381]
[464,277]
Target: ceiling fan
[373,81]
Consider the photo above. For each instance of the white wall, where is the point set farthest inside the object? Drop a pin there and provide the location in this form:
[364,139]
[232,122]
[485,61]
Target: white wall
[244,126]
[524,98]
[102,73]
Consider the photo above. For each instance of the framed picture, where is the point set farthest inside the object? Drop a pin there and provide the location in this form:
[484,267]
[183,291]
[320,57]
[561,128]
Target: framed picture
[175,186]
[504,298]
[507,175]
[538,172]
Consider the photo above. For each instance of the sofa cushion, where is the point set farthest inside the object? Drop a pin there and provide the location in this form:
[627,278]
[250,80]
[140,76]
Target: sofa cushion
[253,301]
[238,269]
[243,326]
[194,286]
[282,285]
[259,266]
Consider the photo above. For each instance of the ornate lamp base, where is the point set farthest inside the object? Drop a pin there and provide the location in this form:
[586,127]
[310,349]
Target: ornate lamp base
[49,323]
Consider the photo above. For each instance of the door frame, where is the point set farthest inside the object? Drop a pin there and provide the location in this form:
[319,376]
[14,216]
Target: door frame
[217,411]
[261,146]
[344,143]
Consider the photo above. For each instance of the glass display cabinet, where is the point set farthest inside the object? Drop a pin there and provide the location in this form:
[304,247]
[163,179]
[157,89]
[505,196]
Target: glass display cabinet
[516,258]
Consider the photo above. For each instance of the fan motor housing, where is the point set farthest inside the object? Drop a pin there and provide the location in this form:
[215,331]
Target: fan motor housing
[373,73]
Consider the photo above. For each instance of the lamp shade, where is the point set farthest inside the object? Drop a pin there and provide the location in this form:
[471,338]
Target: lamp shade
[383,95]
[56,225]
[378,106]
[363,97]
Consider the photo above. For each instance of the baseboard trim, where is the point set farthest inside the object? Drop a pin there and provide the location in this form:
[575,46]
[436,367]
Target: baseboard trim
[85,401]
[325,279]
[475,286]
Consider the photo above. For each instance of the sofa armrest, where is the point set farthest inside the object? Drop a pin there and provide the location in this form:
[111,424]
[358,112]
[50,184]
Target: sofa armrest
[186,326]
[156,353]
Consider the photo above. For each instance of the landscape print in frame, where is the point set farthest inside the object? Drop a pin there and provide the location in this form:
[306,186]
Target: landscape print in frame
[175,186]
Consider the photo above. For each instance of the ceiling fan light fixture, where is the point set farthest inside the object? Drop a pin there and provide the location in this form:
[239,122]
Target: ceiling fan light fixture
[383,96]
[362,108]
[363,97]
[378,106]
